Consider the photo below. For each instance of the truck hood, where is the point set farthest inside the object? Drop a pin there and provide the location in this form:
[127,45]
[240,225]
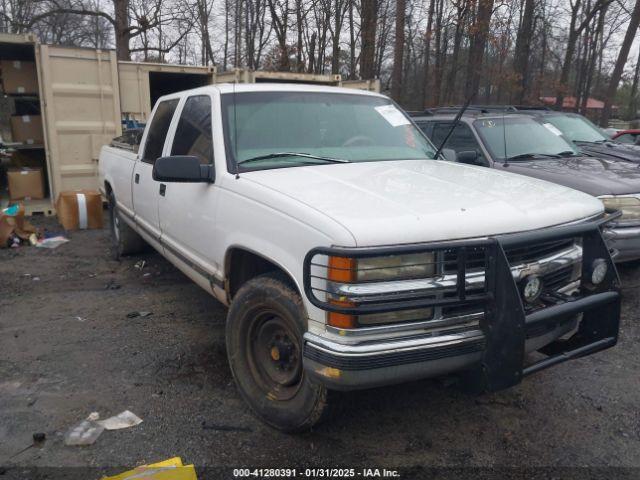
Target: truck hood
[595,176]
[392,202]
[630,153]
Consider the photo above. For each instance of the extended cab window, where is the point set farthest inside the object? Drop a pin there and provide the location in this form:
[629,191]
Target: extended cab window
[461,140]
[158,130]
[194,134]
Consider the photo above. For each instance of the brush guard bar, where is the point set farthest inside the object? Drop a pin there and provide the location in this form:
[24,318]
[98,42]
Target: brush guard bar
[505,319]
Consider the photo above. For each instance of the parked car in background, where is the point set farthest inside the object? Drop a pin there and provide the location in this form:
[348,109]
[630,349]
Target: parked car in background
[627,137]
[589,138]
[521,144]
[349,256]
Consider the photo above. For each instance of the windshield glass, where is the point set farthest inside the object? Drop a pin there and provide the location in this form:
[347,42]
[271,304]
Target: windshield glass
[521,136]
[266,130]
[576,128]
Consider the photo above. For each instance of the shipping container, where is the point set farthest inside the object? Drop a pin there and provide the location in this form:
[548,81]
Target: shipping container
[62,105]
[141,84]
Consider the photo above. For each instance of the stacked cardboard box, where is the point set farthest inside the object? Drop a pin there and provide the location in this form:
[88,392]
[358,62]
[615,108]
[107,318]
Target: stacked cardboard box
[19,77]
[26,183]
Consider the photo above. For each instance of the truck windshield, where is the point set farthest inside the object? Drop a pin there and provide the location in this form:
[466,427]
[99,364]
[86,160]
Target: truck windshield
[266,130]
[511,138]
[576,128]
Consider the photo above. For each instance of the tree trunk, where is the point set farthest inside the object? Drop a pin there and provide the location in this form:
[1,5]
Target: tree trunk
[477,46]
[632,29]
[398,51]
[523,48]
[352,42]
[633,104]
[440,52]
[427,54]
[369,14]
[121,28]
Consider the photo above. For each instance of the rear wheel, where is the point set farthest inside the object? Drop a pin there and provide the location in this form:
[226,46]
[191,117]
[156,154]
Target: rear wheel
[125,240]
[265,325]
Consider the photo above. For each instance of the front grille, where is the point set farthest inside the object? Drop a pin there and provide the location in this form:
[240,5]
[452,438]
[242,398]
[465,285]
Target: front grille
[516,255]
[558,279]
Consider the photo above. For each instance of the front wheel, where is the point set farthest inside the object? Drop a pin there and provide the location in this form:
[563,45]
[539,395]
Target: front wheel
[265,325]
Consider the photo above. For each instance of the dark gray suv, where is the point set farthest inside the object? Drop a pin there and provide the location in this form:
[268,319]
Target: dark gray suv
[519,143]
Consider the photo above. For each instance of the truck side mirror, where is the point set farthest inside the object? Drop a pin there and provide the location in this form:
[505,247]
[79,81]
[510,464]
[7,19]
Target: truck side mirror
[182,168]
[449,154]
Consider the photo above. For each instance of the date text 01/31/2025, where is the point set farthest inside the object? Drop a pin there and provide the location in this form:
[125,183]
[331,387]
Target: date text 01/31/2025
[315,473]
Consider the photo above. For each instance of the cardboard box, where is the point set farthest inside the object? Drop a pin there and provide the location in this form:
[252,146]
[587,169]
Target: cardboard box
[27,129]
[19,77]
[80,209]
[26,184]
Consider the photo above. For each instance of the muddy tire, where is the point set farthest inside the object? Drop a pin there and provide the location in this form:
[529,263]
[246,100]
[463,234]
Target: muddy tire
[265,325]
[124,240]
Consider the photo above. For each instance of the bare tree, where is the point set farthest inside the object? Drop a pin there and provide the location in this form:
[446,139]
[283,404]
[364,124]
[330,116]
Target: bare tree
[398,50]
[623,55]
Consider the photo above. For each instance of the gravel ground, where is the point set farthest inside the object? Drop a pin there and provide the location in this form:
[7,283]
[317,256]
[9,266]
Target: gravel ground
[68,348]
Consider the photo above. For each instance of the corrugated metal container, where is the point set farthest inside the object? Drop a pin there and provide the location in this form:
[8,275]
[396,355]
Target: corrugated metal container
[245,75]
[79,103]
[141,84]
[372,85]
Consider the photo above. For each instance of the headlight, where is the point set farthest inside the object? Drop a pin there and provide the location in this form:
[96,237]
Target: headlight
[629,206]
[343,270]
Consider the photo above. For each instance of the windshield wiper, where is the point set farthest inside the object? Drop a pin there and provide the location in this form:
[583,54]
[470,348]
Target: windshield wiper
[597,142]
[526,156]
[293,154]
[567,153]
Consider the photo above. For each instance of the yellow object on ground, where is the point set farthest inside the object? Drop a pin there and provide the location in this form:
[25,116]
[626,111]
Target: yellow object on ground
[171,469]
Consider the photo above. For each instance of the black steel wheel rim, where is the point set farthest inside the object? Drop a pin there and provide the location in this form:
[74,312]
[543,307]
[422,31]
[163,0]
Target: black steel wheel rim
[274,355]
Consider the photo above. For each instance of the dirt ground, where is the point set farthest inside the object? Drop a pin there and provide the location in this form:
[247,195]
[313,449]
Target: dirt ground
[68,348]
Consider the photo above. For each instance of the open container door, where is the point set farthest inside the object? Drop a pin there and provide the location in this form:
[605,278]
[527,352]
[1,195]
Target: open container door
[81,112]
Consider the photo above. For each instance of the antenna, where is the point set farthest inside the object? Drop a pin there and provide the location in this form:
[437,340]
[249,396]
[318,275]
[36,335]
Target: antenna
[456,120]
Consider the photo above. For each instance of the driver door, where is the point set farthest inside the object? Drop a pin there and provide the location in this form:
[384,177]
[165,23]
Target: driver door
[187,210]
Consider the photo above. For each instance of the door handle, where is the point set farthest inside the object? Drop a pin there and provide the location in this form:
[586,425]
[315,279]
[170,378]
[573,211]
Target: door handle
[137,178]
[163,188]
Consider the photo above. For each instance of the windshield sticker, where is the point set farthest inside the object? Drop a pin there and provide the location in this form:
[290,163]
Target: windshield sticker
[392,115]
[553,129]
[488,123]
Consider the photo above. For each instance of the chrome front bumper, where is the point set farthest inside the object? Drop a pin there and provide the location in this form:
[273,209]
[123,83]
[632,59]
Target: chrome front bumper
[342,366]
[624,241]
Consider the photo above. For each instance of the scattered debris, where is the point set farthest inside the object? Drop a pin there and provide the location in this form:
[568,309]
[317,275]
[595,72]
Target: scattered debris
[15,230]
[93,416]
[85,433]
[80,319]
[124,419]
[38,440]
[140,264]
[224,428]
[112,285]
[139,314]
[51,242]
[172,468]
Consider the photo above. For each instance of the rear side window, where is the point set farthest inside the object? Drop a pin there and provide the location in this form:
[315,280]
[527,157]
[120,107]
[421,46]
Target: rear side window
[158,130]
[461,139]
[427,128]
[193,135]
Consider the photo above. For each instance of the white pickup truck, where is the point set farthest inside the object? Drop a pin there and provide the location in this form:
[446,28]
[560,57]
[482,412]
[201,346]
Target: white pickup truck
[348,255]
